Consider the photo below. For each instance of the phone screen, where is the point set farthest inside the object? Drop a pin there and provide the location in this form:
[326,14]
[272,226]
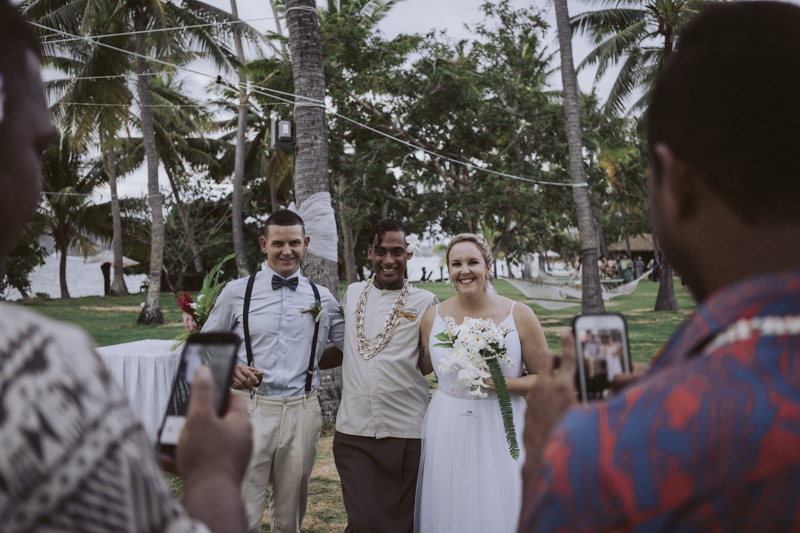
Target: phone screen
[218,352]
[602,345]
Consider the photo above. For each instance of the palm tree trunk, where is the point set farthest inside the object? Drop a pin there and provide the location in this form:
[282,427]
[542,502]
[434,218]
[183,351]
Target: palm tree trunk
[278,27]
[118,286]
[62,270]
[311,156]
[592,299]
[665,299]
[347,236]
[238,166]
[151,312]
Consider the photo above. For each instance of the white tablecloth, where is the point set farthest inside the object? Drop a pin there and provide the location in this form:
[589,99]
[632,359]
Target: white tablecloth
[145,371]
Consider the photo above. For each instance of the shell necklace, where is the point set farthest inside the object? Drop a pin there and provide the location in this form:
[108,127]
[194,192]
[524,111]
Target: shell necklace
[369,348]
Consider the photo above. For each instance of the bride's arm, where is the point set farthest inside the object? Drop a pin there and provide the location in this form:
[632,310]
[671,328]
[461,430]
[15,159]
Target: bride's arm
[533,344]
[425,365]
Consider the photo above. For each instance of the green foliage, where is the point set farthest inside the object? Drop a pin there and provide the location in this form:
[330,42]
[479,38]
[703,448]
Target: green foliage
[26,255]
[643,33]
[504,401]
[206,300]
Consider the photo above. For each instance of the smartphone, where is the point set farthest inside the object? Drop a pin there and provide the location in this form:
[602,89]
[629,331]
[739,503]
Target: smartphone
[601,344]
[218,352]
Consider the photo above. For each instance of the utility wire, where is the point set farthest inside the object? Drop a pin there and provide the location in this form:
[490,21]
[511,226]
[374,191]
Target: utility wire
[176,28]
[307,101]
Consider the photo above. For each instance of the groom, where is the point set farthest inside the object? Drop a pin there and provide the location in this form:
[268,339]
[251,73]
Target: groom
[378,429]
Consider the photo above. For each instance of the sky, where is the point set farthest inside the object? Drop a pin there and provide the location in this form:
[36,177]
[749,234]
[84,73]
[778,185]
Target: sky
[407,16]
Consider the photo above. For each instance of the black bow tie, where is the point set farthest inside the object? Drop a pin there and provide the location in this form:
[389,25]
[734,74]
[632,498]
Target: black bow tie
[278,282]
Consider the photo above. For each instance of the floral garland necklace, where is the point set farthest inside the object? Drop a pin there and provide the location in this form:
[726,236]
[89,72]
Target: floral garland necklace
[369,348]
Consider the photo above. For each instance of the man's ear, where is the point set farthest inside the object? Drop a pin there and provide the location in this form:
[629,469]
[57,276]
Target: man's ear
[677,183]
[263,242]
[306,240]
[369,252]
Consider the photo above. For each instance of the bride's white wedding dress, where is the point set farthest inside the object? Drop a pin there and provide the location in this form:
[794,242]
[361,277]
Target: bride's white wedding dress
[468,481]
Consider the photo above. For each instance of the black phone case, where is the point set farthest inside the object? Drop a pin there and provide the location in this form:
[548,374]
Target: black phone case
[201,338]
[575,336]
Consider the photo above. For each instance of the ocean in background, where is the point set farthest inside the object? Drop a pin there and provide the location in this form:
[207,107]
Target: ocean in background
[87,279]
[82,279]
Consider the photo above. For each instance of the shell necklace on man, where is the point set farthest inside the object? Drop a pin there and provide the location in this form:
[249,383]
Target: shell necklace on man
[369,348]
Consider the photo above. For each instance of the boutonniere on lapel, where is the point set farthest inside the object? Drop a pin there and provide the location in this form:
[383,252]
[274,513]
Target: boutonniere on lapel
[316,310]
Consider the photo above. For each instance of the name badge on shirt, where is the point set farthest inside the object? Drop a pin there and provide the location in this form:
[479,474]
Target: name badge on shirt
[408,314]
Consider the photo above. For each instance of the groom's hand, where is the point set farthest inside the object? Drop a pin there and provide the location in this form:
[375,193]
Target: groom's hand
[243,378]
[549,398]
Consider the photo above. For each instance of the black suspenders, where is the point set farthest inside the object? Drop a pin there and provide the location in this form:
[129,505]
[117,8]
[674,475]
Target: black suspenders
[248,293]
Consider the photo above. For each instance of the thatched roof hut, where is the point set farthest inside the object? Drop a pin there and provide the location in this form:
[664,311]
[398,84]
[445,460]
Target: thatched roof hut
[639,243]
[641,246]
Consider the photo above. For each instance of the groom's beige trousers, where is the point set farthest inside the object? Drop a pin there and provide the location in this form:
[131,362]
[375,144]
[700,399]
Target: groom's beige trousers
[285,440]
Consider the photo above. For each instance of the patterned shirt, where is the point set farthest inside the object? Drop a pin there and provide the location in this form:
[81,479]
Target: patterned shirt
[709,440]
[73,456]
[280,332]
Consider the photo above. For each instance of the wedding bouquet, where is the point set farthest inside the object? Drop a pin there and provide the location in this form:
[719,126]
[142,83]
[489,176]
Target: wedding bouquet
[196,313]
[477,346]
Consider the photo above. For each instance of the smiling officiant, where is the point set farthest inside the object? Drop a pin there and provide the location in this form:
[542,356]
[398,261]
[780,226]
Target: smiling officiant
[284,329]
[377,443]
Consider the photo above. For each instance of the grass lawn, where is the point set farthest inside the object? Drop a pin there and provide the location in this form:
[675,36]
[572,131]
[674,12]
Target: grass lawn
[113,321]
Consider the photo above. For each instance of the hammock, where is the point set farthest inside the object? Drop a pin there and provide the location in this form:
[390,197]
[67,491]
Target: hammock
[556,293]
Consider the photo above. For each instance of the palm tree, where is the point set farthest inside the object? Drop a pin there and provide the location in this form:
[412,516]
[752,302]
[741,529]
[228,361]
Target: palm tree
[98,78]
[643,32]
[311,133]
[592,297]
[151,22]
[238,173]
[68,215]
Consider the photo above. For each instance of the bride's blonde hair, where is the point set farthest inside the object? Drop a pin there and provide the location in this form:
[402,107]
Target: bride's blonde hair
[477,240]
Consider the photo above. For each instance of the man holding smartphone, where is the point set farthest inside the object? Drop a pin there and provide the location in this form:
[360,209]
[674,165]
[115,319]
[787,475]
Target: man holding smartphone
[284,321]
[74,456]
[709,439]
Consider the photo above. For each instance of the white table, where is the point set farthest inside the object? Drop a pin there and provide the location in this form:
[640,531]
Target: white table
[145,371]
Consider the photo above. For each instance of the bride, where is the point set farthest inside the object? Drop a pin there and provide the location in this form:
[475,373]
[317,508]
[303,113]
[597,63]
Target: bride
[468,480]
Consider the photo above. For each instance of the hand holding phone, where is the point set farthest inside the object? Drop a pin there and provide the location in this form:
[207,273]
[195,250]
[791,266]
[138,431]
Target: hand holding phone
[601,345]
[218,352]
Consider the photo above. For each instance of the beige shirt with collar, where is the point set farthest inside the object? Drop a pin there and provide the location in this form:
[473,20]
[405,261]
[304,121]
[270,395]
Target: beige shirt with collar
[385,396]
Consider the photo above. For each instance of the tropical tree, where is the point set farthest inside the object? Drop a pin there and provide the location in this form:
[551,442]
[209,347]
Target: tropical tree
[26,255]
[311,133]
[68,215]
[93,105]
[643,33]
[238,173]
[150,27]
[592,298]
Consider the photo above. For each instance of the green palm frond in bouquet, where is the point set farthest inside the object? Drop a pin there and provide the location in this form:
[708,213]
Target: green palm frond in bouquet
[195,314]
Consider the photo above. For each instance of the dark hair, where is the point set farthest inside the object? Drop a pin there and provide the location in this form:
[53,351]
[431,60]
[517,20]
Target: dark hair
[16,38]
[726,105]
[382,226]
[283,217]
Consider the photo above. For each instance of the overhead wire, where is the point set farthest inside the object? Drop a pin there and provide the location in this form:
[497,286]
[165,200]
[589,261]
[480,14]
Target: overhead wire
[175,28]
[313,102]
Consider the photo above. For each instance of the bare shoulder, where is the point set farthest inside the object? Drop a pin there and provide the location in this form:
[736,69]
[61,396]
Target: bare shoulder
[523,312]
[428,316]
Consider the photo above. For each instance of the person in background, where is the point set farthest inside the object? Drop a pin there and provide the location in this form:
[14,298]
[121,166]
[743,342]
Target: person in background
[74,456]
[708,440]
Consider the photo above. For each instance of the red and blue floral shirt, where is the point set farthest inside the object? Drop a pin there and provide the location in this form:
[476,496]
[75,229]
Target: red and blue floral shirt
[709,440]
